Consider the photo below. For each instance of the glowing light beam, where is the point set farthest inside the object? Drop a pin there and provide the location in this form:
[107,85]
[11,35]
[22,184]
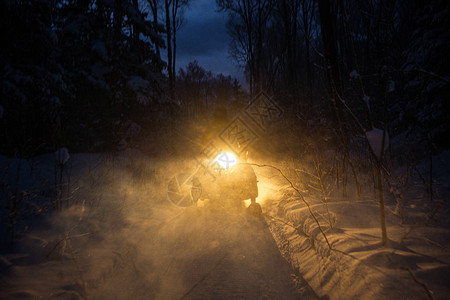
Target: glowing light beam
[226,160]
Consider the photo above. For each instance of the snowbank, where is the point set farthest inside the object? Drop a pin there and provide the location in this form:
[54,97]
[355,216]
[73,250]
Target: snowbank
[358,266]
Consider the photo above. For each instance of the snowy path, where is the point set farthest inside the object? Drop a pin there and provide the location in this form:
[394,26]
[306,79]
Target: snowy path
[197,253]
[226,256]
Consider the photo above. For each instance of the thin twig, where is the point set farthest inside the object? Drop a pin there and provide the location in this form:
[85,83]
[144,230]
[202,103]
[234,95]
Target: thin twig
[414,277]
[406,268]
[67,235]
[80,273]
[279,220]
[436,244]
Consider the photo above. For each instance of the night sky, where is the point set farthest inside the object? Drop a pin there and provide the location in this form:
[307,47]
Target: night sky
[204,38]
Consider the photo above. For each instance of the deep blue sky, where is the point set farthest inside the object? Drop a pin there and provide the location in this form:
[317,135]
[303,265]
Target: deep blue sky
[204,38]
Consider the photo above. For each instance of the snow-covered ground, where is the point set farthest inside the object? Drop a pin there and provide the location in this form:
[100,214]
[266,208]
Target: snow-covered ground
[117,236]
[415,263]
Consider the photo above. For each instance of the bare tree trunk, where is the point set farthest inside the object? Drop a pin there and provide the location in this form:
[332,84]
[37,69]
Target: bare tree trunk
[135,32]
[355,177]
[327,22]
[174,54]
[169,44]
[381,204]
[308,70]
[250,51]
[344,174]
[287,15]
[117,25]
[307,13]
[294,44]
[154,7]
[247,15]
[327,25]
[258,48]
[175,5]
[431,167]
[249,34]
[13,203]
[380,181]
[289,10]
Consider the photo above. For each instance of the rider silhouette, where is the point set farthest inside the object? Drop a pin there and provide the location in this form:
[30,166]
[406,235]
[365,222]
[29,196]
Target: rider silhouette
[254,209]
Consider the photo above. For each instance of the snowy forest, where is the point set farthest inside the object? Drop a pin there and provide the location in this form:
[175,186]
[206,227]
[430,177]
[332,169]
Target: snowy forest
[343,115]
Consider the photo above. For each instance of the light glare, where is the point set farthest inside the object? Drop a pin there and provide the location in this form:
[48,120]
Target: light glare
[226,160]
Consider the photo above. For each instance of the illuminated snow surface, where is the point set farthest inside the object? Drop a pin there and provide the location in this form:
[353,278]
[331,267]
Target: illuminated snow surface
[122,239]
[359,267]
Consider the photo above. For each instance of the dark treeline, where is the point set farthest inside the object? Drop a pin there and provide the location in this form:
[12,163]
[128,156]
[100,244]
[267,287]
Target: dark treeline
[380,63]
[88,75]
[355,78]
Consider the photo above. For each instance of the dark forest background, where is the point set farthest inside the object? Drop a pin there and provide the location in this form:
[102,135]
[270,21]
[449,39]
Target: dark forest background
[100,75]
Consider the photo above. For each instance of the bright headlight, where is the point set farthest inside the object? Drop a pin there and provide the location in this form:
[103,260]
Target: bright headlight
[226,160]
